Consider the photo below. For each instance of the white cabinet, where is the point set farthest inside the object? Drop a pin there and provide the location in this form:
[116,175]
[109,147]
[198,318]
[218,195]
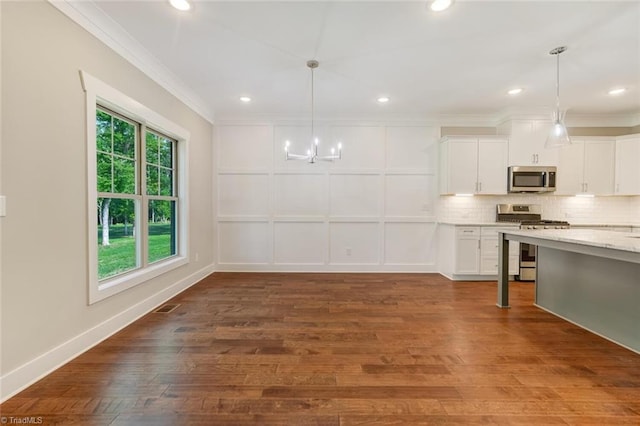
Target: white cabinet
[526,143]
[586,167]
[467,250]
[473,165]
[476,251]
[627,174]
[489,251]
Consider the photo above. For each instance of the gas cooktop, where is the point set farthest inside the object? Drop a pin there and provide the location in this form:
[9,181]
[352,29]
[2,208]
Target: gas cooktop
[528,215]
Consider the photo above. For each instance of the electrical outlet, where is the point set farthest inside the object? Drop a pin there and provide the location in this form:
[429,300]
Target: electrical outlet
[197,256]
[3,206]
[347,251]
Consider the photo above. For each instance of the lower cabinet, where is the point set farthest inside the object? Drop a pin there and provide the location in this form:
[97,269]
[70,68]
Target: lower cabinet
[489,252]
[471,252]
[467,250]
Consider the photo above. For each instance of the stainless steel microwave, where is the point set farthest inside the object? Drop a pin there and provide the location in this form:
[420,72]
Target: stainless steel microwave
[532,178]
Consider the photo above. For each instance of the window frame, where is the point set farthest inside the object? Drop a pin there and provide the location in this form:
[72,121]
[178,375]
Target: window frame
[99,93]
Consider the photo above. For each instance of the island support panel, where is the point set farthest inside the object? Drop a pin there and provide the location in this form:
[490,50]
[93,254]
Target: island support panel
[599,294]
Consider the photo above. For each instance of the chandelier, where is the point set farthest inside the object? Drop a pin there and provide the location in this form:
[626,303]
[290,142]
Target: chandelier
[311,156]
[558,135]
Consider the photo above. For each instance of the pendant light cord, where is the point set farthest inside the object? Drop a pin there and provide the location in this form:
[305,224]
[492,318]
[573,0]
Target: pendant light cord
[312,110]
[558,84]
[557,51]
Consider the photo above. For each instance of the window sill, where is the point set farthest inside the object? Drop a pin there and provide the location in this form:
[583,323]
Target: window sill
[126,281]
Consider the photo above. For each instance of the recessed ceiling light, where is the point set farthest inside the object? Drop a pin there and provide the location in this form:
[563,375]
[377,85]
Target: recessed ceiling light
[383,99]
[180,4]
[245,99]
[618,91]
[515,91]
[440,5]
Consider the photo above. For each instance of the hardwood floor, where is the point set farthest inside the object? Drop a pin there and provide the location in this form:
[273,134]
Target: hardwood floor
[343,349]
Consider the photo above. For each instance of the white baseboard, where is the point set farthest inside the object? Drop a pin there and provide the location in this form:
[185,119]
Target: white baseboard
[35,369]
[357,269]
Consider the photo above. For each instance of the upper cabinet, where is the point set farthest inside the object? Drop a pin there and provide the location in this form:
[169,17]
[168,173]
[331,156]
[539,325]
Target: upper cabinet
[586,167]
[627,176]
[473,165]
[526,143]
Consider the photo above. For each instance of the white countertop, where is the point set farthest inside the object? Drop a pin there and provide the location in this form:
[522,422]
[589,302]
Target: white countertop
[625,241]
[514,224]
[499,224]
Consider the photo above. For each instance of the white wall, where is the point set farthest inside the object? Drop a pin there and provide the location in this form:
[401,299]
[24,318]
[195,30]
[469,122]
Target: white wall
[373,210]
[45,317]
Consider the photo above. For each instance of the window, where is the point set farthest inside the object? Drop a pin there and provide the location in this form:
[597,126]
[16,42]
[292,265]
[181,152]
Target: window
[137,191]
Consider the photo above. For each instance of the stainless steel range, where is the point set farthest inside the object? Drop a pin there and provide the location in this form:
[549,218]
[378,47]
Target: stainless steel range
[529,216]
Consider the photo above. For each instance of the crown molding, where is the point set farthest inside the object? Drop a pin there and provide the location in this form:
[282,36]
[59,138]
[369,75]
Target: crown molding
[96,22]
[572,120]
[603,120]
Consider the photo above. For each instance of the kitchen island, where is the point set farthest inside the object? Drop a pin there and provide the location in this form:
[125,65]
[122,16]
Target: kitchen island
[588,277]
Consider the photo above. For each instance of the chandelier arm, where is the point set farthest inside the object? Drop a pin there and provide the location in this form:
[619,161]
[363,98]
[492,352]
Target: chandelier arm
[297,156]
[328,158]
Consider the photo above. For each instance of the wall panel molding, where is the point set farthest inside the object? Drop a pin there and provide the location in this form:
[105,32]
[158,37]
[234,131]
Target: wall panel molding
[371,211]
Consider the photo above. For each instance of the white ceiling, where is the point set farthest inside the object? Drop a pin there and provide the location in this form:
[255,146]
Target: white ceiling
[461,61]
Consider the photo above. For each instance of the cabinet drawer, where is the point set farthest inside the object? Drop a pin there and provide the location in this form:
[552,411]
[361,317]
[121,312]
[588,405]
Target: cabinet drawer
[489,247]
[468,231]
[489,265]
[492,231]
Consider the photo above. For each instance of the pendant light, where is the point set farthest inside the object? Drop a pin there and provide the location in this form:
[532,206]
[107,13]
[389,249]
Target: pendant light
[558,135]
[311,156]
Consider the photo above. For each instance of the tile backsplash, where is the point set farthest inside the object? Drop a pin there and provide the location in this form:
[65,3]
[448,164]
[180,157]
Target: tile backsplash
[576,210]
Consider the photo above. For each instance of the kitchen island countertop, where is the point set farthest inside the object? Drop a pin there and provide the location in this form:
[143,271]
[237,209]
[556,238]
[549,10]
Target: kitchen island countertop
[625,241]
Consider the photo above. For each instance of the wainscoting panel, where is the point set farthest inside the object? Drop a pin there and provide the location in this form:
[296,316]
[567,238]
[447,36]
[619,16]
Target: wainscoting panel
[300,194]
[244,242]
[355,195]
[363,147]
[372,210]
[300,243]
[412,148]
[354,243]
[243,194]
[245,147]
[409,243]
[409,196]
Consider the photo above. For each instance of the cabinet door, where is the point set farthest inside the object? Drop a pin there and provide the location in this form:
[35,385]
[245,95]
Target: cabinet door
[627,180]
[526,144]
[463,166]
[599,160]
[492,166]
[569,178]
[544,156]
[467,250]
[521,144]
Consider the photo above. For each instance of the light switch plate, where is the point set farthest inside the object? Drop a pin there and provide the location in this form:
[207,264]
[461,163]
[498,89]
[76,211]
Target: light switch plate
[3,206]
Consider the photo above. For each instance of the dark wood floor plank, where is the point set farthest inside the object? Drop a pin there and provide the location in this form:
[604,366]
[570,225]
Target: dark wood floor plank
[343,349]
